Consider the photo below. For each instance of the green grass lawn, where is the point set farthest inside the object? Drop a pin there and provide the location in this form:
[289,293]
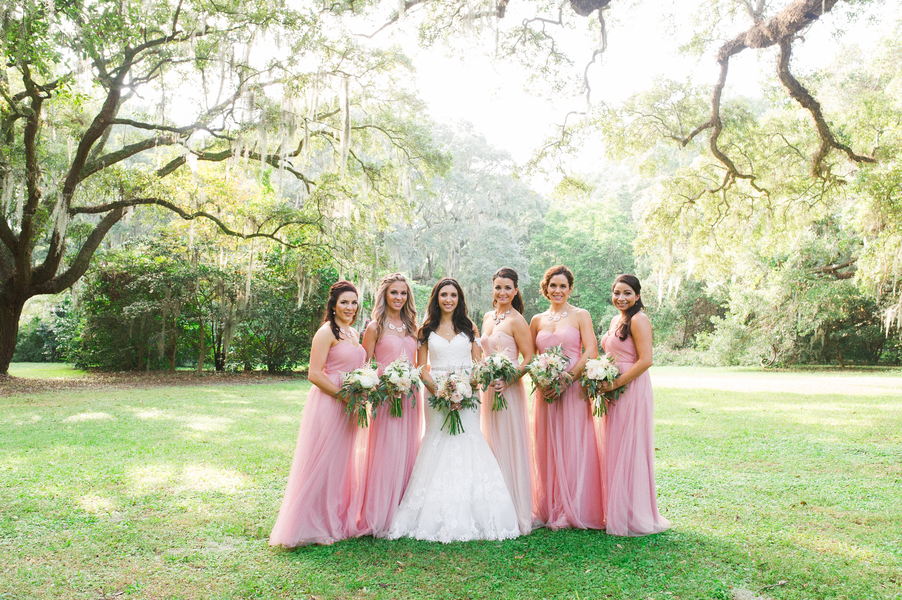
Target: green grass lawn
[46,371]
[170,492]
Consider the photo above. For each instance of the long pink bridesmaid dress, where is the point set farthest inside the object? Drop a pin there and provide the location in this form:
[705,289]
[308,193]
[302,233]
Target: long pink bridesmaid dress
[324,494]
[569,488]
[632,506]
[393,444]
[507,432]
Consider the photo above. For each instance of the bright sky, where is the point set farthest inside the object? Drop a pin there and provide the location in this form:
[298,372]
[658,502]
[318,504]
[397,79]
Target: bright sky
[641,45]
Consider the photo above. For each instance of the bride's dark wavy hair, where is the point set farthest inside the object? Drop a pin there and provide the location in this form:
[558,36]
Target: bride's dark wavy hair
[623,331]
[508,273]
[459,317]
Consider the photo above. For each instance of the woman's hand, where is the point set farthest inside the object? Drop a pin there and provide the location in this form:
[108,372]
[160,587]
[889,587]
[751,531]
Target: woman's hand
[499,386]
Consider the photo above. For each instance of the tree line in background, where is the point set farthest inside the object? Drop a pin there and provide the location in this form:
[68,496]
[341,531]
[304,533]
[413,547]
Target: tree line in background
[167,294]
[776,241]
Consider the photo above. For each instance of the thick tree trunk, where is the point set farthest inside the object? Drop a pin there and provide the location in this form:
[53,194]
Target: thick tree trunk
[10,311]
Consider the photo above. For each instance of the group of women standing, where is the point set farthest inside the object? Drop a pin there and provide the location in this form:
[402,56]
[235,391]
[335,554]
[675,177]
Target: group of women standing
[510,470]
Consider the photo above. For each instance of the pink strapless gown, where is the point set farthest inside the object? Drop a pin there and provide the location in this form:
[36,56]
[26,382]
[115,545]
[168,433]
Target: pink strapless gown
[324,494]
[393,445]
[507,432]
[632,505]
[569,483]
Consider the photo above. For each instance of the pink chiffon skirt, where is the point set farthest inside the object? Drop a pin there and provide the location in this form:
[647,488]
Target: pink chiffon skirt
[568,446]
[324,494]
[632,506]
[392,452]
[507,432]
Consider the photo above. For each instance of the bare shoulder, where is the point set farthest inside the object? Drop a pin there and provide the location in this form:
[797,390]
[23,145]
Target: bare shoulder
[324,335]
[583,316]
[641,319]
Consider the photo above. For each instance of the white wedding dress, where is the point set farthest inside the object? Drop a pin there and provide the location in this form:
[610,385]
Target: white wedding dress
[456,490]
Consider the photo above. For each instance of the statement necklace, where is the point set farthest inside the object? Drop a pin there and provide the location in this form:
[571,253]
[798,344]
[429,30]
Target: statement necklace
[400,327]
[557,318]
[347,333]
[498,319]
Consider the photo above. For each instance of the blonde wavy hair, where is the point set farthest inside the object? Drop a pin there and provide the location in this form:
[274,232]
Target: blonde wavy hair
[380,311]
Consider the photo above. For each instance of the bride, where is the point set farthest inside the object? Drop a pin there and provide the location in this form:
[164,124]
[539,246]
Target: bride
[456,490]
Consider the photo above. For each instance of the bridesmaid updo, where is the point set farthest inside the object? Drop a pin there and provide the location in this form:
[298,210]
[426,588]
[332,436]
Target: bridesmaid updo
[631,280]
[338,288]
[459,318]
[408,311]
[508,273]
[556,270]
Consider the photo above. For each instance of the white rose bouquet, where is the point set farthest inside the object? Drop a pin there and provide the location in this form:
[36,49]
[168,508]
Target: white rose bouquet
[454,392]
[493,368]
[548,371]
[399,379]
[356,388]
[603,368]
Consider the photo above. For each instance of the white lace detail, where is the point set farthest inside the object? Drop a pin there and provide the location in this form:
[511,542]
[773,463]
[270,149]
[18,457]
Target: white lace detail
[456,490]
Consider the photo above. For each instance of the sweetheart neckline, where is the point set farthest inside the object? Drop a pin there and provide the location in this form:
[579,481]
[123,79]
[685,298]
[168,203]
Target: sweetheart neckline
[556,330]
[448,341]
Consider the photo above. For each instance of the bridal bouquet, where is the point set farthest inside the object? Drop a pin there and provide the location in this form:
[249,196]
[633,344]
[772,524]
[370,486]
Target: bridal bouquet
[495,367]
[597,370]
[454,392]
[548,370]
[399,379]
[356,387]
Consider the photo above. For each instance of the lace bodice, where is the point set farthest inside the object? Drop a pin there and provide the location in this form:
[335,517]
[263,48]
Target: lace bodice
[450,355]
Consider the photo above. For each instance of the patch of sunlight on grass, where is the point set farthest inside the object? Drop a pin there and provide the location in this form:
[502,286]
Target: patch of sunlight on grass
[232,402]
[823,544]
[205,423]
[192,478]
[88,416]
[23,420]
[96,505]
[210,479]
[46,371]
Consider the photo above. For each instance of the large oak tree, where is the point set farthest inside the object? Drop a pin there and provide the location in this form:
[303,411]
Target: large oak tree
[108,105]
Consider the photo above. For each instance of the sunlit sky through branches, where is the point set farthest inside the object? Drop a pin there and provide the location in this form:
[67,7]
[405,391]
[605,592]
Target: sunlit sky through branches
[465,82]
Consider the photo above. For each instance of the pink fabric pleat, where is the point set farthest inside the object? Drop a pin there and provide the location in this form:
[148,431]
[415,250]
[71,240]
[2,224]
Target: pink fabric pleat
[324,494]
[507,432]
[568,448]
[632,506]
[393,445]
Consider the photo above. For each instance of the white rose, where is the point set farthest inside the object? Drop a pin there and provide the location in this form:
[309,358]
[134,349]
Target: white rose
[463,389]
[366,381]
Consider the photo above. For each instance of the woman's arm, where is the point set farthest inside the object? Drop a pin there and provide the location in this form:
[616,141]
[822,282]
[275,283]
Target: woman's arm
[369,341]
[640,330]
[590,343]
[524,339]
[319,351]
[475,347]
[425,375]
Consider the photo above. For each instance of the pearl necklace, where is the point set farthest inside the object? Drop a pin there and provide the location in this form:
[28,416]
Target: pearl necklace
[557,318]
[401,327]
[498,319]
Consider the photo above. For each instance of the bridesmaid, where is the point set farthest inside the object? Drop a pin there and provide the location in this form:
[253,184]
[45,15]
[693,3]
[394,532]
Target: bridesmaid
[324,494]
[569,490]
[393,441]
[507,431]
[632,507]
